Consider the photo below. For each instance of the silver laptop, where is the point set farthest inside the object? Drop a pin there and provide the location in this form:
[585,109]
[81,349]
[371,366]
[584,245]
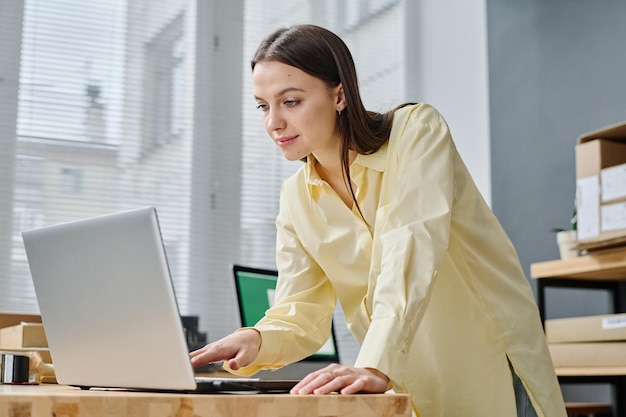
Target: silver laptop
[109,309]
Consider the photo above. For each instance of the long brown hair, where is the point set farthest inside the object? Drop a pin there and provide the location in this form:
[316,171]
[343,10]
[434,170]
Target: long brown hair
[322,54]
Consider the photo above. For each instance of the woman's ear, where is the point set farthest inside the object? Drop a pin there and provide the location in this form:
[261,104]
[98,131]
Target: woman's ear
[341,98]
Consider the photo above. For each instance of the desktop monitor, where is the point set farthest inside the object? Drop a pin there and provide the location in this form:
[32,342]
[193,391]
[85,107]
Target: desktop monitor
[255,293]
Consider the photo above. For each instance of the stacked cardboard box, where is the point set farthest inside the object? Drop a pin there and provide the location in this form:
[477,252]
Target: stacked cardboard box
[11,319]
[587,341]
[23,335]
[601,187]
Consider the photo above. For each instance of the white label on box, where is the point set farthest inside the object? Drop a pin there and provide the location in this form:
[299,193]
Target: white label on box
[613,182]
[613,216]
[588,207]
[613,323]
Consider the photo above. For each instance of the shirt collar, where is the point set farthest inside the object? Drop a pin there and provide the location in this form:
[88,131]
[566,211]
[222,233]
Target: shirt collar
[375,161]
[312,177]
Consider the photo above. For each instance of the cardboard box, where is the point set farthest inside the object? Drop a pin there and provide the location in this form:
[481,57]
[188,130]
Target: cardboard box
[600,195]
[613,181]
[23,335]
[11,319]
[610,327]
[586,354]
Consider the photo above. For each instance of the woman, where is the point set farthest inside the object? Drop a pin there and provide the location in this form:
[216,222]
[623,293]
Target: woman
[384,217]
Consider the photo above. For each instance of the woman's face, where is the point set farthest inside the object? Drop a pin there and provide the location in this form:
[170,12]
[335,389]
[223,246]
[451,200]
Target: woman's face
[299,110]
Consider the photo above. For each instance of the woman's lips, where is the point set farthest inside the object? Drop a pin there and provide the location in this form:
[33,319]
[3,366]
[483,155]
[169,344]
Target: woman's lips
[286,140]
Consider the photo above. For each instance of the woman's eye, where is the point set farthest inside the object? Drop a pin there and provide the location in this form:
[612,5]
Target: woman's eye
[291,103]
[262,107]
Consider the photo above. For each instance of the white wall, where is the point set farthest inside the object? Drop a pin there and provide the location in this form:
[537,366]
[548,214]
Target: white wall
[448,68]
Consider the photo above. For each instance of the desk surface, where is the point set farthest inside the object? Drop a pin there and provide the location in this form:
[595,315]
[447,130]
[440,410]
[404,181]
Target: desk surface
[63,401]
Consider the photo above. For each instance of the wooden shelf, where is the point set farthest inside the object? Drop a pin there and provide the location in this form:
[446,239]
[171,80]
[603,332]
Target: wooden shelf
[591,371]
[602,269]
[606,265]
[587,409]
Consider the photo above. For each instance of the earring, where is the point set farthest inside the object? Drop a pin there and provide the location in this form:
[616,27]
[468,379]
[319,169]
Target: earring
[339,112]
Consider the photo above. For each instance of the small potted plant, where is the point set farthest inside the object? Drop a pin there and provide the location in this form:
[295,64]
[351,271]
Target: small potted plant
[567,240]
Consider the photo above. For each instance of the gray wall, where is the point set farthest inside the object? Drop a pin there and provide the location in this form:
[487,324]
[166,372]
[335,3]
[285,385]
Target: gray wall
[557,69]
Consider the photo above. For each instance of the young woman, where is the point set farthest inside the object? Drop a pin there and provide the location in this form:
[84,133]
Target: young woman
[384,217]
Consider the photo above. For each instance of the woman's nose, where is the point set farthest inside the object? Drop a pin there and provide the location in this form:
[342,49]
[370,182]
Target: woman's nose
[274,120]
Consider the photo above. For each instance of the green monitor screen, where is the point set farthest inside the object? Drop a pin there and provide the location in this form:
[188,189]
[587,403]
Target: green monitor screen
[255,294]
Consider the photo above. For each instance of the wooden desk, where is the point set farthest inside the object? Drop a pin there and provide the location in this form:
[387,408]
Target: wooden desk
[62,401]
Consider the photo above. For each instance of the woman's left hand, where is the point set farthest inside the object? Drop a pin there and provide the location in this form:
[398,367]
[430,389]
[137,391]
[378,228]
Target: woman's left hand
[342,379]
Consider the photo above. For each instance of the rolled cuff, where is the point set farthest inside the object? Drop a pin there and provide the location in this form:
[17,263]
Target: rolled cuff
[266,357]
[385,348]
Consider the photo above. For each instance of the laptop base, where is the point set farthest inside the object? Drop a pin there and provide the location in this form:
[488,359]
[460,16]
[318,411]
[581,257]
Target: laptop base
[219,386]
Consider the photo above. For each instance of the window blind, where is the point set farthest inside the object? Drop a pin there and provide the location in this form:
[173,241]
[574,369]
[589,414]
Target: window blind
[108,105]
[103,123]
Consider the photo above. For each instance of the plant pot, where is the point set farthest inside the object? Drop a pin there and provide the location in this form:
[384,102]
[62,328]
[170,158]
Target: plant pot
[568,244]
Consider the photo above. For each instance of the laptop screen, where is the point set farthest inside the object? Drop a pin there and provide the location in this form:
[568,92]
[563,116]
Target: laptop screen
[255,293]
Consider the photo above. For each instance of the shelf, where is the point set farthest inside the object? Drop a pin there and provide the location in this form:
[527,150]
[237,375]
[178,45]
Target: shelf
[606,265]
[587,409]
[602,269]
[591,371]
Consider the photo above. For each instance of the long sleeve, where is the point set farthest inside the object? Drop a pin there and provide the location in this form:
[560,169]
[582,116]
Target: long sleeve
[413,228]
[300,321]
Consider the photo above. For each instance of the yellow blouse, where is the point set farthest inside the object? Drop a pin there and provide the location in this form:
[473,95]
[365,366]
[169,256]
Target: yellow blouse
[430,284]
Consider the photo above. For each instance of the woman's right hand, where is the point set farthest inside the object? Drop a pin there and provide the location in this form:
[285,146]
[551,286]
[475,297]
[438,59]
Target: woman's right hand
[238,349]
